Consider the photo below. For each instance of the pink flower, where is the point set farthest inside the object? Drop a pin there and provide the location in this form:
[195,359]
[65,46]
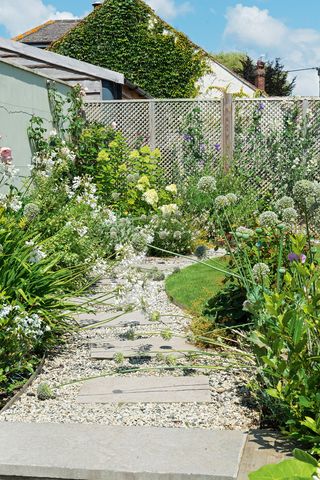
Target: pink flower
[6,155]
[303,258]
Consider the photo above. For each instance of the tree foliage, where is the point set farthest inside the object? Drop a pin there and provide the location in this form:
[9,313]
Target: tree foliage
[127,36]
[277,83]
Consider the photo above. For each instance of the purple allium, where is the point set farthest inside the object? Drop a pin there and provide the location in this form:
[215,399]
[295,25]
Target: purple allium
[202,147]
[261,107]
[217,147]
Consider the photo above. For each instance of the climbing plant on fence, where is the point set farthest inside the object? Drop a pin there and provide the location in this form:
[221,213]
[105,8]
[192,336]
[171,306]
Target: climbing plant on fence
[127,36]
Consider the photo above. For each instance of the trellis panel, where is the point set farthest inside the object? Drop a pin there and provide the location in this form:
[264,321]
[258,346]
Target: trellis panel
[158,123]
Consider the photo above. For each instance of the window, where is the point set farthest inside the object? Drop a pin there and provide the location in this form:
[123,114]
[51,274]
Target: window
[111,90]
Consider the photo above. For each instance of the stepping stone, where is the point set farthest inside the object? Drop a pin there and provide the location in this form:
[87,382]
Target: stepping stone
[86,452]
[130,319]
[145,390]
[145,347]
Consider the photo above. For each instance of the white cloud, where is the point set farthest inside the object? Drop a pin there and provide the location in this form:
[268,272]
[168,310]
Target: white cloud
[255,30]
[18,16]
[169,8]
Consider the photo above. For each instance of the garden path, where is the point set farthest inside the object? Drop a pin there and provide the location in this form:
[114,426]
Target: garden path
[146,411]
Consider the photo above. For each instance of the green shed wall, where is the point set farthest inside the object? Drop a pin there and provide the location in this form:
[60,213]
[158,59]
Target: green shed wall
[23,94]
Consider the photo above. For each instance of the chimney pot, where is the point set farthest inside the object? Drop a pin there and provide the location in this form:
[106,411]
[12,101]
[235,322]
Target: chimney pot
[96,4]
[260,75]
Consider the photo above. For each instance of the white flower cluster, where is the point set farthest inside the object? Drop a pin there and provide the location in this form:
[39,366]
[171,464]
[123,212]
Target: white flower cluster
[23,323]
[37,254]
[83,191]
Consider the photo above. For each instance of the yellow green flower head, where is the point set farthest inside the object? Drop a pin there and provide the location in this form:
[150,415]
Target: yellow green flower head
[103,156]
[145,150]
[134,154]
[172,189]
[151,197]
[170,209]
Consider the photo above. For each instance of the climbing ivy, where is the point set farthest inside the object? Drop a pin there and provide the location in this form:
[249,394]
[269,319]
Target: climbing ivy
[128,37]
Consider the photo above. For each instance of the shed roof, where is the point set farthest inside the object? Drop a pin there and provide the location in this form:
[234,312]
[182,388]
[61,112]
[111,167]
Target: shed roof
[47,32]
[14,48]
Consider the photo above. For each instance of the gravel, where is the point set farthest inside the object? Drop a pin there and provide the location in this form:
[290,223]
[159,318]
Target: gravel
[230,408]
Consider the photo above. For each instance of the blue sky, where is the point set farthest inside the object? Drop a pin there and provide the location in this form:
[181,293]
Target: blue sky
[284,28]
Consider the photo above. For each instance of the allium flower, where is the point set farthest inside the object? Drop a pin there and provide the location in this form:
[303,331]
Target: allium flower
[172,189]
[305,193]
[207,184]
[169,209]
[31,211]
[268,219]
[217,147]
[151,197]
[260,271]
[221,201]
[283,203]
[232,198]
[163,234]
[261,106]
[290,215]
[177,235]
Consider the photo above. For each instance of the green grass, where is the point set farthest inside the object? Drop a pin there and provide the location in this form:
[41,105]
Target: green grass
[193,286]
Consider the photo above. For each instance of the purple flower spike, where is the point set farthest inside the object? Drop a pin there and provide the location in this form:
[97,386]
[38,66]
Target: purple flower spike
[293,257]
[187,137]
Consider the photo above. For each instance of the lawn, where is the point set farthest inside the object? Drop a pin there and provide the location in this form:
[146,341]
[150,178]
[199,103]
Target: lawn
[193,286]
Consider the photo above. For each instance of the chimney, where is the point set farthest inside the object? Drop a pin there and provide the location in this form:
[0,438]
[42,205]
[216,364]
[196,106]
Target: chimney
[260,75]
[96,5]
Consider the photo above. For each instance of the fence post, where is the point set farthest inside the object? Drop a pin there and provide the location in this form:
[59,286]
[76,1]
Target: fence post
[152,131]
[227,130]
[305,106]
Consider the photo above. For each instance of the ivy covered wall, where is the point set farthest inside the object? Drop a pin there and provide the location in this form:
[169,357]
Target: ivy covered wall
[128,37]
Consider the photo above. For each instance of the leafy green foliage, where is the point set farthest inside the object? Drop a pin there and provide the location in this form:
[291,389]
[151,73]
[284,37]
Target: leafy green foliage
[127,36]
[232,60]
[302,467]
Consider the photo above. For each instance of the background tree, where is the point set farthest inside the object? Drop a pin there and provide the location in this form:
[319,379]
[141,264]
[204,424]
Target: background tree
[277,82]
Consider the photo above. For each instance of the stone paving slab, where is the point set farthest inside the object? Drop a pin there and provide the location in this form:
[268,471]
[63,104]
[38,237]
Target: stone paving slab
[86,452]
[130,319]
[145,347]
[145,390]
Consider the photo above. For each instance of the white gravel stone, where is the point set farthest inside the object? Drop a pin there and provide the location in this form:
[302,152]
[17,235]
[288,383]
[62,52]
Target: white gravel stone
[230,406]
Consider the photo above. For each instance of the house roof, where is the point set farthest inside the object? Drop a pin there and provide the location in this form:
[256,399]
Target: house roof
[210,57]
[13,49]
[47,32]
